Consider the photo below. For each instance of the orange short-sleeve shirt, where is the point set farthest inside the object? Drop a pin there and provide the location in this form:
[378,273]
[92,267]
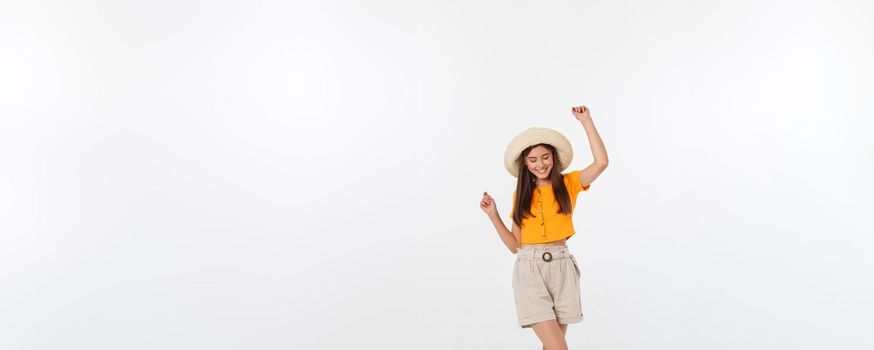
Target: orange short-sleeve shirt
[546,224]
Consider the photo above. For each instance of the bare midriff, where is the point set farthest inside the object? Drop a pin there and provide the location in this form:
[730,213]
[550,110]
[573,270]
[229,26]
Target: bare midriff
[559,242]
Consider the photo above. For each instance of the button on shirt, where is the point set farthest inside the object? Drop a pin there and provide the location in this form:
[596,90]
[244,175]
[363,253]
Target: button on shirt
[546,224]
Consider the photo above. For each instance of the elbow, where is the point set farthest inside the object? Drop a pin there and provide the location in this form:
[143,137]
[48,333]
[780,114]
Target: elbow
[602,164]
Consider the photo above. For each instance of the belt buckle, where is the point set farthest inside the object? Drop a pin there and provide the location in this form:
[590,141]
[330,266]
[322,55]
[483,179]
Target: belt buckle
[544,256]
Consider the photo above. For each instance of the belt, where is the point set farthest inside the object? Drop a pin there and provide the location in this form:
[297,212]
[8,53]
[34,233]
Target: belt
[545,255]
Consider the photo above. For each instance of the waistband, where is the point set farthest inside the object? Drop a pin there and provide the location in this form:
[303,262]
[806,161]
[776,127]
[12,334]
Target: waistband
[545,253]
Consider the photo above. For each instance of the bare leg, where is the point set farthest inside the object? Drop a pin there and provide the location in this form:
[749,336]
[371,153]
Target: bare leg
[563,331]
[551,334]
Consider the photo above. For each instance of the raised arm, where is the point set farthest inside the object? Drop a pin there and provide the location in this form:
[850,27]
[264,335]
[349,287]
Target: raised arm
[599,152]
[510,239]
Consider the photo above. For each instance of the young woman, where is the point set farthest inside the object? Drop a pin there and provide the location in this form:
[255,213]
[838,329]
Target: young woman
[546,277]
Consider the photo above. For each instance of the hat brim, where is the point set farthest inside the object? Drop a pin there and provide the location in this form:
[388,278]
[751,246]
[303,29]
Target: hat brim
[535,136]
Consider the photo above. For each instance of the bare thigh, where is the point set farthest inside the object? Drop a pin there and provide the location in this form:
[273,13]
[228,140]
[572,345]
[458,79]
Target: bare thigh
[551,334]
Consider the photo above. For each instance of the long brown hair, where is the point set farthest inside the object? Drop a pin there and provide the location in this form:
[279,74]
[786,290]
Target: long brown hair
[525,186]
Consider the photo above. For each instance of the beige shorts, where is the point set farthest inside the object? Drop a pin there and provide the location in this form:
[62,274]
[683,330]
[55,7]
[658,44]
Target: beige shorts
[546,285]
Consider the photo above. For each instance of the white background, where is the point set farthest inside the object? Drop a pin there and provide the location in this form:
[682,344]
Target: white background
[306,175]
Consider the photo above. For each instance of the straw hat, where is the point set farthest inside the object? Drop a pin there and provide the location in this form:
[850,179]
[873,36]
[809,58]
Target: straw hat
[534,136]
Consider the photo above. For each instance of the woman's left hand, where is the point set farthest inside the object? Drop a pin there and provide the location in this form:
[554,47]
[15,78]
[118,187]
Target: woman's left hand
[581,112]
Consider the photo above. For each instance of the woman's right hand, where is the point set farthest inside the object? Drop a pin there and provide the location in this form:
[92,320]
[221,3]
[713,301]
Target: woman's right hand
[488,204]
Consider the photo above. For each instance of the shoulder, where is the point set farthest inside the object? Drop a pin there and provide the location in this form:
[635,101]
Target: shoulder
[572,176]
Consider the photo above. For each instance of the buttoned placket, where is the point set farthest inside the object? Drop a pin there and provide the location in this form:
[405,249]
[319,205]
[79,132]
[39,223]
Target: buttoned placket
[540,214]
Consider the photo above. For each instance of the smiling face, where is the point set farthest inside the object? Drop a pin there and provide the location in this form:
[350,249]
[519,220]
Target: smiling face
[539,162]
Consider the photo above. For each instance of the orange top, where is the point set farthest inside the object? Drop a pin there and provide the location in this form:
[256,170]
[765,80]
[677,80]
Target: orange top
[547,224]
